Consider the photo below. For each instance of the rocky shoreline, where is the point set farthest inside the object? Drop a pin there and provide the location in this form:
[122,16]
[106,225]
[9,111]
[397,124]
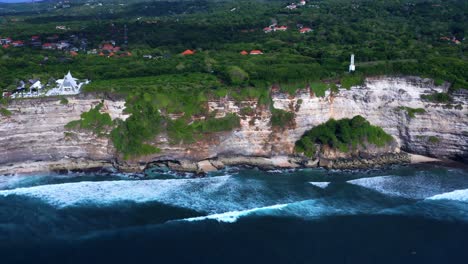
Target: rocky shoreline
[218,163]
[279,162]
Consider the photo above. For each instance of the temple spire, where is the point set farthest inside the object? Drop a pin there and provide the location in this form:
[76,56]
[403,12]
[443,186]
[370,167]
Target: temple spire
[352,67]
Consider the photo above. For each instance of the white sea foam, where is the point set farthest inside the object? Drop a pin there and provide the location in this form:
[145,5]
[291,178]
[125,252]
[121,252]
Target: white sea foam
[181,192]
[458,195]
[231,217]
[210,195]
[13,181]
[322,185]
[306,209]
[413,187]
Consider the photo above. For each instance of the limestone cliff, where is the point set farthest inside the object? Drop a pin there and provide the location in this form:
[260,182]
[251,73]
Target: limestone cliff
[33,138]
[35,131]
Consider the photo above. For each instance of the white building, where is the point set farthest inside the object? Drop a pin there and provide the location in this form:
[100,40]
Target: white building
[352,67]
[66,86]
[36,86]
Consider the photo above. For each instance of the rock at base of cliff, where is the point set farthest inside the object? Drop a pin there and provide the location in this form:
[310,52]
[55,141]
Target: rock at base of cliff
[205,166]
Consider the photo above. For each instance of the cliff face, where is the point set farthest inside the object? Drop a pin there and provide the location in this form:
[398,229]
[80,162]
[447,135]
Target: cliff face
[439,132]
[379,101]
[34,136]
[35,131]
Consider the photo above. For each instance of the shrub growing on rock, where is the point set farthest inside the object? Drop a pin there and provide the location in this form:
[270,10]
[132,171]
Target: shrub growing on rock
[343,134]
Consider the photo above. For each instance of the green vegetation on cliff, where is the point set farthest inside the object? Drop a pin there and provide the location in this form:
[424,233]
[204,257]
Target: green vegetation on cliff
[92,120]
[281,118]
[130,137]
[5,112]
[179,131]
[343,134]
[412,111]
[437,97]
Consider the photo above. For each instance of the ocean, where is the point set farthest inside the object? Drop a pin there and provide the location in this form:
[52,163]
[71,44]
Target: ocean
[403,214]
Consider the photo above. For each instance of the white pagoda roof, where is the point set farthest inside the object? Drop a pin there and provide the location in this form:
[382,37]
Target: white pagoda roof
[68,81]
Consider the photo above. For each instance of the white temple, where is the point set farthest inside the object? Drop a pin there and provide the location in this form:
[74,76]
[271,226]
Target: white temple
[352,67]
[66,86]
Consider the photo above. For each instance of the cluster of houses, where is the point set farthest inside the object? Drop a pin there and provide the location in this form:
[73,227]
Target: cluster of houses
[63,4]
[73,44]
[252,52]
[244,52]
[7,42]
[110,49]
[275,27]
[35,88]
[296,5]
[452,39]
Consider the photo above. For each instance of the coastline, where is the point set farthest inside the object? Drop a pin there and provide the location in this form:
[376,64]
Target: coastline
[219,163]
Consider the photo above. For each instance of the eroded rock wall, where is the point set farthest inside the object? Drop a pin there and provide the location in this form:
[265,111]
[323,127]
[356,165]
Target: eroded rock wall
[35,131]
[378,100]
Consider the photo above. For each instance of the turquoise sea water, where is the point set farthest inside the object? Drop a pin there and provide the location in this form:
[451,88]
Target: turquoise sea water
[416,214]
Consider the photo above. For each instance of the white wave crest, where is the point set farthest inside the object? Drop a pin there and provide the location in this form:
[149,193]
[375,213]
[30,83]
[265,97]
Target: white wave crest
[322,185]
[413,187]
[231,217]
[210,195]
[306,209]
[458,195]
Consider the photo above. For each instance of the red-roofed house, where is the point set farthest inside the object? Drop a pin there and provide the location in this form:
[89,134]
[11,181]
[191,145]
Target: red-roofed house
[281,28]
[116,49]
[48,46]
[34,38]
[188,52]
[18,43]
[256,52]
[107,47]
[305,30]
[244,52]
[267,29]
[73,53]
[6,46]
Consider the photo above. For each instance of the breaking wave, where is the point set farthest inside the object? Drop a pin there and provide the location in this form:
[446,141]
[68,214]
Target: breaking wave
[418,186]
[306,209]
[458,195]
[322,185]
[210,195]
[228,198]
[231,217]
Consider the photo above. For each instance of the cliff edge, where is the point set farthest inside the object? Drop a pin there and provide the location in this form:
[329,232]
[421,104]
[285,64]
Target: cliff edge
[33,138]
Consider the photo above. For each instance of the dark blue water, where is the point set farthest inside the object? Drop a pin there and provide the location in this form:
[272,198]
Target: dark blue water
[398,215]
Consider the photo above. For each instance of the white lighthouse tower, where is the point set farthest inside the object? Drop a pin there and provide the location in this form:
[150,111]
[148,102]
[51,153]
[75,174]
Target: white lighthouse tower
[352,67]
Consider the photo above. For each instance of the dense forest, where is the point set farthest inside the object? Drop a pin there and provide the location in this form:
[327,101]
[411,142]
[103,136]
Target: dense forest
[388,37]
